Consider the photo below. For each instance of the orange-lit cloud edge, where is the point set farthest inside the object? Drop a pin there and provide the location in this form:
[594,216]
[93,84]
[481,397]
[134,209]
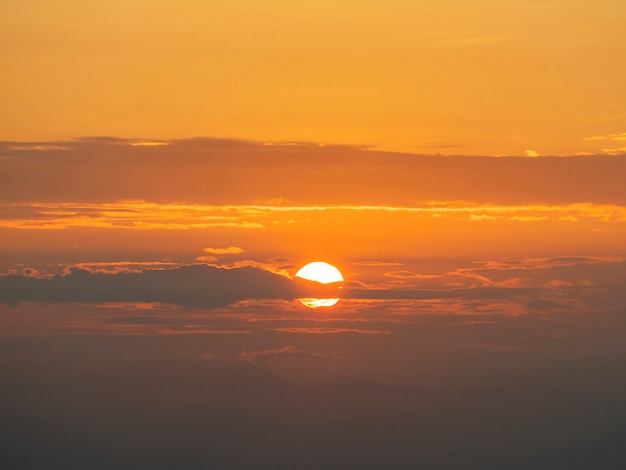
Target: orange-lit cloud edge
[143,215]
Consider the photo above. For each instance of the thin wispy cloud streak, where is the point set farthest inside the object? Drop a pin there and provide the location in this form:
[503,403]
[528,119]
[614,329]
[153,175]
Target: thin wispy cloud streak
[142,215]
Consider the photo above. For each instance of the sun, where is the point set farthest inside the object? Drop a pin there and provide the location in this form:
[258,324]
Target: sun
[319,271]
[323,273]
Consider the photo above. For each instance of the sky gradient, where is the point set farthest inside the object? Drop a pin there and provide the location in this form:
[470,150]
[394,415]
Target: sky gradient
[488,78]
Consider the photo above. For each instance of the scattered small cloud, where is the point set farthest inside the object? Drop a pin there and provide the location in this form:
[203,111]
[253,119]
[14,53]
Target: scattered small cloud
[112,267]
[206,259]
[36,147]
[481,217]
[231,250]
[617,137]
[614,151]
[405,274]
[149,144]
[513,283]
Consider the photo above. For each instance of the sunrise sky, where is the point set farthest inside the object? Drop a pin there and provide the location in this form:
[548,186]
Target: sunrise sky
[488,77]
[167,167]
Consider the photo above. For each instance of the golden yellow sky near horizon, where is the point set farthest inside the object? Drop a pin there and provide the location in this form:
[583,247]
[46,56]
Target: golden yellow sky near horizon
[486,77]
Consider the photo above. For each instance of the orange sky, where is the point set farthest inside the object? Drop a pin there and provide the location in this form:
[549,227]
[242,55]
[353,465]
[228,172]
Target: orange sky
[166,167]
[113,200]
[488,77]
[413,235]
[407,143]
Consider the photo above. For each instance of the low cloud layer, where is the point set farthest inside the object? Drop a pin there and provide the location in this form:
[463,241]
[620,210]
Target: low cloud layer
[541,284]
[197,285]
[218,171]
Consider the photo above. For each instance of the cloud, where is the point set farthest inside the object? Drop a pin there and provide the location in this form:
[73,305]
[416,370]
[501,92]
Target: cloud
[481,217]
[452,280]
[231,172]
[546,263]
[614,139]
[507,286]
[231,250]
[614,151]
[404,274]
[575,283]
[619,137]
[37,147]
[206,259]
[196,285]
[487,293]
[119,266]
[148,144]
[145,216]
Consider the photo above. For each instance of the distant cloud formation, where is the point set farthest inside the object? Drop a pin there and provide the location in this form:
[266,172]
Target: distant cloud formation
[175,217]
[231,250]
[615,140]
[619,137]
[223,172]
[513,286]
[188,286]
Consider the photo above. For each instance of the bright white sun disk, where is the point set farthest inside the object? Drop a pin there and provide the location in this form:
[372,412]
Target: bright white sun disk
[321,272]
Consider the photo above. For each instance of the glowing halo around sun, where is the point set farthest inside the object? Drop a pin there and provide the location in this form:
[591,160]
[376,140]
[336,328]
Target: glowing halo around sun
[321,272]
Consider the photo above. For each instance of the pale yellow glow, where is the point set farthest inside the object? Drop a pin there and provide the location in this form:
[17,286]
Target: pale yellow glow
[319,271]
